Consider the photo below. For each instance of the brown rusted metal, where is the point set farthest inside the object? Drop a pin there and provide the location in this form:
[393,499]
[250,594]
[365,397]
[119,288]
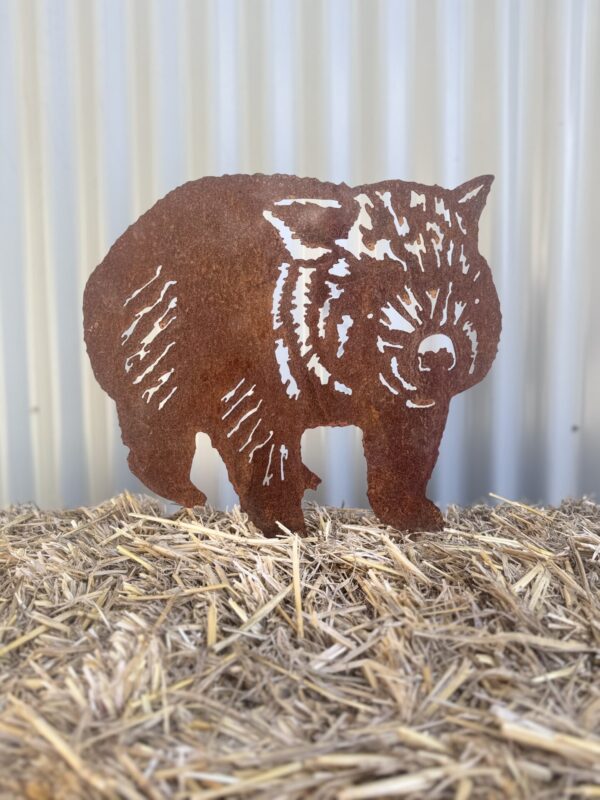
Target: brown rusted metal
[253,307]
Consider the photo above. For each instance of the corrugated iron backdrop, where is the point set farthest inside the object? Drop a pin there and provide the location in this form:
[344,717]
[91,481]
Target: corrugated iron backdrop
[106,105]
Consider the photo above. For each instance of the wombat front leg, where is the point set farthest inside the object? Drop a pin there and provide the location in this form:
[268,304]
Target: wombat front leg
[162,459]
[399,466]
[271,481]
[266,469]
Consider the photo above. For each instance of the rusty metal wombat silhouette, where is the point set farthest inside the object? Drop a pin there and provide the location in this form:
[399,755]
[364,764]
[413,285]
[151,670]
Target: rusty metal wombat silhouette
[253,307]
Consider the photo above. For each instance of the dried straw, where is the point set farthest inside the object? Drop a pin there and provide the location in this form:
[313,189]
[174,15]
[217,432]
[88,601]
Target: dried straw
[144,657]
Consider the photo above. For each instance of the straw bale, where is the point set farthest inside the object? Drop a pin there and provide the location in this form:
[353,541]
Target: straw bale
[190,657]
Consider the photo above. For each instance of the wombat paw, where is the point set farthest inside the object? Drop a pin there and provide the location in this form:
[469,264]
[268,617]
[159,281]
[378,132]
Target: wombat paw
[271,526]
[191,497]
[416,514]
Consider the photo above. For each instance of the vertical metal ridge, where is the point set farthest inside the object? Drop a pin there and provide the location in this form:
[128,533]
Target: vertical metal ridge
[589,422]
[281,56]
[508,372]
[227,111]
[40,332]
[4,482]
[311,110]
[454,45]
[16,435]
[565,328]
[97,409]
[398,84]
[64,284]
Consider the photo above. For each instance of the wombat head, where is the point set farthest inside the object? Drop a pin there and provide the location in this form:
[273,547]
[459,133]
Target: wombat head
[437,314]
[406,263]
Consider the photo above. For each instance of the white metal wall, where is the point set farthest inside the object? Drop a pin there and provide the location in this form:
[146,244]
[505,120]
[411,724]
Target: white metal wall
[106,105]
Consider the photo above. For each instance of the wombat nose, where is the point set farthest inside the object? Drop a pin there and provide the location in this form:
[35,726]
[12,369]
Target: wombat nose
[436,352]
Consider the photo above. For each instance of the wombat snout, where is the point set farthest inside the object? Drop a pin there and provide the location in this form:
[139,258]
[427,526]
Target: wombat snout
[436,353]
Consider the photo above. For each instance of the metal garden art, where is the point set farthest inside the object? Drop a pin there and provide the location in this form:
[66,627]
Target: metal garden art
[253,307]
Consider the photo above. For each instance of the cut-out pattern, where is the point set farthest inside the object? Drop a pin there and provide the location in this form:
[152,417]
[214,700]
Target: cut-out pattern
[254,307]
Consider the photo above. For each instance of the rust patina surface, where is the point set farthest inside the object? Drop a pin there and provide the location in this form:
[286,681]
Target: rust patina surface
[253,307]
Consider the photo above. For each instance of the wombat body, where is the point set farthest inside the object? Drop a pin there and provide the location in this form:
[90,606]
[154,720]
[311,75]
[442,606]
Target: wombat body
[255,307]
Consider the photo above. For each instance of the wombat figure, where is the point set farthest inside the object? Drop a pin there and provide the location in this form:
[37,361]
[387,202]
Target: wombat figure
[253,307]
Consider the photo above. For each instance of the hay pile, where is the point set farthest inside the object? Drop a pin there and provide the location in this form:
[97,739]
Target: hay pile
[142,657]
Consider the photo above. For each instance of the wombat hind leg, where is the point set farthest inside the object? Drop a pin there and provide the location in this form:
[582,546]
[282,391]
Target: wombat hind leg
[311,480]
[163,461]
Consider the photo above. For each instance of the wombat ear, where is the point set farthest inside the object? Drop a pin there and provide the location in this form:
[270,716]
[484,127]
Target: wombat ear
[471,196]
[308,222]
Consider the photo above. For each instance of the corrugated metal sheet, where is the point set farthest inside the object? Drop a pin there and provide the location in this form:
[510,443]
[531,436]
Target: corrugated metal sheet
[105,106]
